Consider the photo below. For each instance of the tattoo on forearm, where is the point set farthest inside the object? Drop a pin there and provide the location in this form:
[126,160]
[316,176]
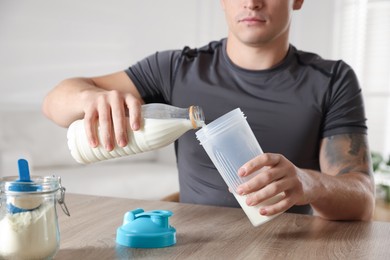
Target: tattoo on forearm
[356,145]
[348,153]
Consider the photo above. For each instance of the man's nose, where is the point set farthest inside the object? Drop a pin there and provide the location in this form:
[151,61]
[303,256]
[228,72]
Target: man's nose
[253,4]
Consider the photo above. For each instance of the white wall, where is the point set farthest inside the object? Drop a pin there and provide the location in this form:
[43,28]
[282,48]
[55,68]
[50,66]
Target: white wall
[312,27]
[45,41]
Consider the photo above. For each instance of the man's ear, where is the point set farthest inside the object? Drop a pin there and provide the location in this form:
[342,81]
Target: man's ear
[222,3]
[297,4]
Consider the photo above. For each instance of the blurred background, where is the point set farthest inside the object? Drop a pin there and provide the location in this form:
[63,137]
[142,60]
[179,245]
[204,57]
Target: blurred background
[45,41]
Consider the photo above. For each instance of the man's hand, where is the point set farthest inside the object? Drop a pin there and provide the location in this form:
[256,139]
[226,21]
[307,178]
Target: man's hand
[109,110]
[343,190]
[278,175]
[105,101]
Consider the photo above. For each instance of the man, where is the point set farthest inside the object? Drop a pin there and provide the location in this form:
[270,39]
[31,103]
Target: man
[307,114]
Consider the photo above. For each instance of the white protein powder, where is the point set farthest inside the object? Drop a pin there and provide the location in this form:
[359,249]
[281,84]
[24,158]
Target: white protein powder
[29,235]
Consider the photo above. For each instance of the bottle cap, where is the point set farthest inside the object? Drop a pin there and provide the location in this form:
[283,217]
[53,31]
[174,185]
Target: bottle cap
[149,229]
[196,116]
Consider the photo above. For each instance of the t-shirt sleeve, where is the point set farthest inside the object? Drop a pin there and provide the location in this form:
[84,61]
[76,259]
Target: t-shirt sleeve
[154,75]
[344,109]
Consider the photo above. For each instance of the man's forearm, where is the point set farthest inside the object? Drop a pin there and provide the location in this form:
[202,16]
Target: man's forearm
[342,197]
[63,104]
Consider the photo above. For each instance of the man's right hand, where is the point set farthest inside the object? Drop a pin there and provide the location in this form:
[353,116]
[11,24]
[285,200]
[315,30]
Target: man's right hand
[109,110]
[111,101]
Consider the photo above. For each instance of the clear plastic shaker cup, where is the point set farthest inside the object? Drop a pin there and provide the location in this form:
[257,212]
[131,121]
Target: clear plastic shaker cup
[230,143]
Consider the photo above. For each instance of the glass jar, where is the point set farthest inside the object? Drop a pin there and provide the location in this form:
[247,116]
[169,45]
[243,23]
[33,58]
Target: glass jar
[28,217]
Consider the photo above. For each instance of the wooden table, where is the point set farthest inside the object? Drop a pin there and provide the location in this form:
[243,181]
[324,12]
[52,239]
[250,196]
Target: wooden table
[205,232]
[382,210]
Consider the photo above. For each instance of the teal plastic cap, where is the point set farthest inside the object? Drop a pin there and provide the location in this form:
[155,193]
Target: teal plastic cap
[148,229]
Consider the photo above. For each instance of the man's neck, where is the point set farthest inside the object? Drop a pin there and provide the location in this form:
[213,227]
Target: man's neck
[259,57]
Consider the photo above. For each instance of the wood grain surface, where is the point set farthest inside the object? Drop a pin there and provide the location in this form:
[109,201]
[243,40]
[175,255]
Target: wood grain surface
[206,232]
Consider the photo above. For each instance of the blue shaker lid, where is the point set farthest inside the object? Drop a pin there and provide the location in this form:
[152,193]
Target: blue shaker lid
[148,229]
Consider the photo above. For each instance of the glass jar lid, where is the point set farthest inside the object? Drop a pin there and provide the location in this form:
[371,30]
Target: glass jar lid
[37,185]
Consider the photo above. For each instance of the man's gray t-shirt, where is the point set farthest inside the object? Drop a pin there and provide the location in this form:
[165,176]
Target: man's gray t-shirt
[289,107]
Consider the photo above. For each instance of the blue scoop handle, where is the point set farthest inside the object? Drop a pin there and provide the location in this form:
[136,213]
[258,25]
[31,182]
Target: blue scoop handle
[24,176]
[24,172]
[23,184]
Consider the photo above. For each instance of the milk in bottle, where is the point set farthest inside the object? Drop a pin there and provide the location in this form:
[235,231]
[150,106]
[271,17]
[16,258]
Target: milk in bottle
[161,125]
